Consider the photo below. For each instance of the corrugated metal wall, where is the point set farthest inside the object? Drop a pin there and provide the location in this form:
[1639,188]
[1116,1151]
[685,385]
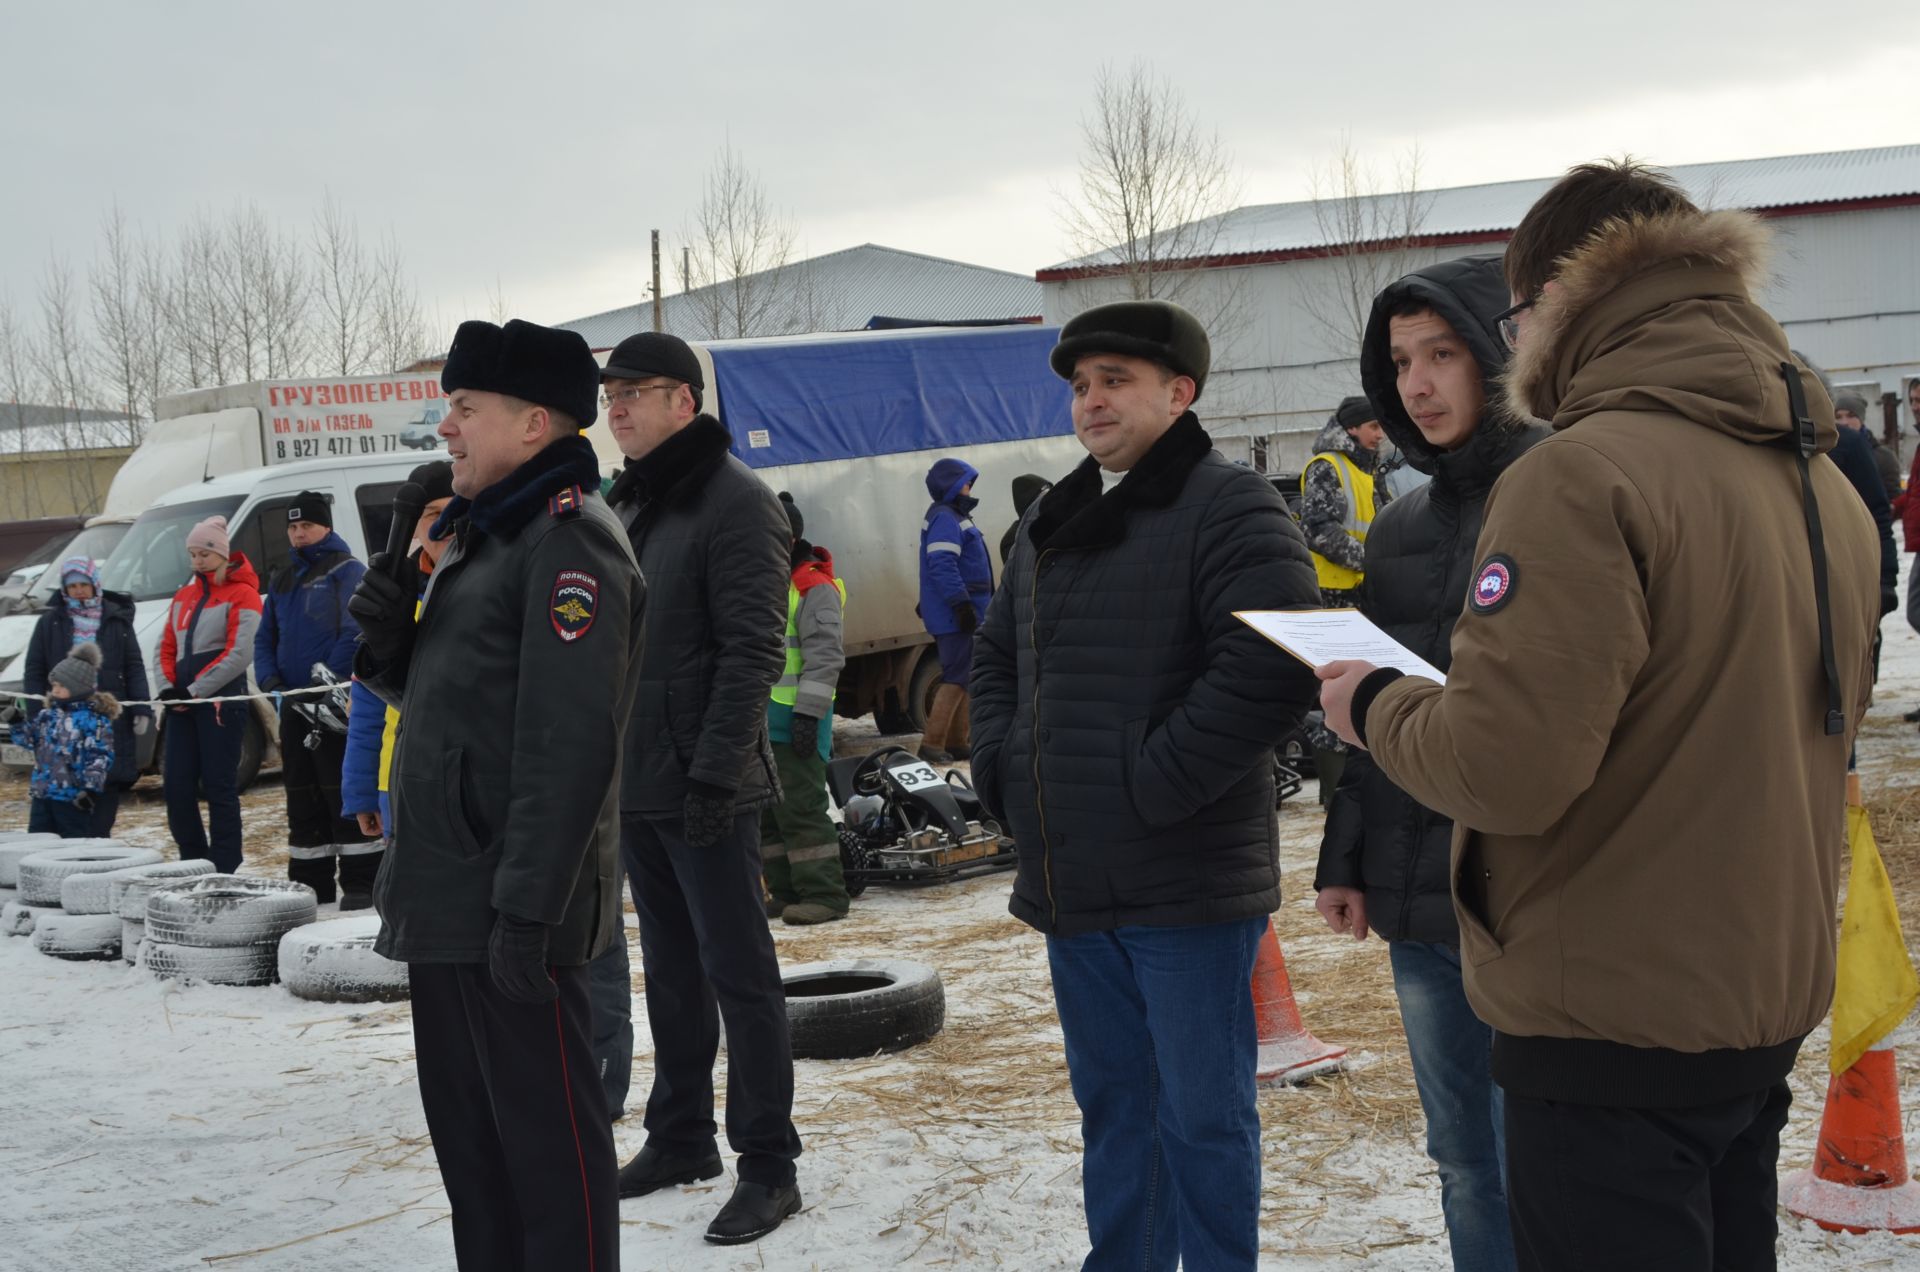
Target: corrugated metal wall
[1846,287]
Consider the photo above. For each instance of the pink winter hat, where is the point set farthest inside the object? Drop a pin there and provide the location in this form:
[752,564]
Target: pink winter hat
[210,534]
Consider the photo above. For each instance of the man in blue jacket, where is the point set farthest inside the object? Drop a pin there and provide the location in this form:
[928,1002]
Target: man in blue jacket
[303,621]
[956,582]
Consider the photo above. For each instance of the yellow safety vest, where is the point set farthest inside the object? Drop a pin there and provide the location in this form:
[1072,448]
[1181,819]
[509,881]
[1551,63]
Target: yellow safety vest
[786,691]
[1357,482]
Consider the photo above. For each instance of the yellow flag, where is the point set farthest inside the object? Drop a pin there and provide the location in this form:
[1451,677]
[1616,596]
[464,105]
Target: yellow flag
[1876,986]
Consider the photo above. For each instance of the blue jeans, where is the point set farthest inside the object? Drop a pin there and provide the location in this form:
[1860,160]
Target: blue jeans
[1452,1056]
[1160,1044]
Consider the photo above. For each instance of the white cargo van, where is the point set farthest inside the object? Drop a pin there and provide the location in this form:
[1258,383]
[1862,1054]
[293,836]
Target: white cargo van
[150,560]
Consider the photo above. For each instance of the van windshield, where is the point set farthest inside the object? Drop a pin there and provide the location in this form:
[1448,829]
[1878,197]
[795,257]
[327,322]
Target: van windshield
[151,561]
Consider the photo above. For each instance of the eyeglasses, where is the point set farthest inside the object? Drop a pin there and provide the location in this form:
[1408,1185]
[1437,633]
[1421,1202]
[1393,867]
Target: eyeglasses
[628,396]
[1508,321]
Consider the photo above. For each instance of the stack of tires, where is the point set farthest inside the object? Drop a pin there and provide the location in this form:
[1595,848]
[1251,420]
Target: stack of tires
[223,929]
[128,890]
[334,962]
[15,847]
[41,877]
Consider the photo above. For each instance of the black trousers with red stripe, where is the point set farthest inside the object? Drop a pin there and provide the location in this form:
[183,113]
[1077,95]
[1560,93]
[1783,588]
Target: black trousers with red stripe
[518,1120]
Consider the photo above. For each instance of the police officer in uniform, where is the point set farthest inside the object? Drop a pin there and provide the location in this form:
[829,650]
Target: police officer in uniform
[503,879]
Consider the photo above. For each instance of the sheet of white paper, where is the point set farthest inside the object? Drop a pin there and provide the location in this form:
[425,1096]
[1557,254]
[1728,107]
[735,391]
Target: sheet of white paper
[1318,637]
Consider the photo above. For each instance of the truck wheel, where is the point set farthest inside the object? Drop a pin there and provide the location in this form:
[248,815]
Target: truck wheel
[253,751]
[925,683]
[860,1007]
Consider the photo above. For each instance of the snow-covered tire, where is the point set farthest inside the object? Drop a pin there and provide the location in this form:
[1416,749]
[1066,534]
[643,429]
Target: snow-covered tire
[216,965]
[132,933]
[15,848]
[129,895]
[17,918]
[849,1008]
[78,936]
[94,893]
[42,873]
[218,911]
[334,962]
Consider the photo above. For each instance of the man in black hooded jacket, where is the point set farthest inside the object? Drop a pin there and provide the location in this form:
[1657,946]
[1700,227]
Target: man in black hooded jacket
[1429,362]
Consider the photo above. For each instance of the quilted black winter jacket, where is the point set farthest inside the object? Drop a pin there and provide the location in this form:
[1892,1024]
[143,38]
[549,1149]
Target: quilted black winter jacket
[1123,719]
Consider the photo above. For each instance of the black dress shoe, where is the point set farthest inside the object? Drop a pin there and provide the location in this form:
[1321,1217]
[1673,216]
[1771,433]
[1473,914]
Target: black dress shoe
[651,1170]
[351,900]
[752,1212]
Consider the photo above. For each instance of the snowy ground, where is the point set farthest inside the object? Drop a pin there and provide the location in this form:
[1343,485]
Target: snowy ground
[152,1127]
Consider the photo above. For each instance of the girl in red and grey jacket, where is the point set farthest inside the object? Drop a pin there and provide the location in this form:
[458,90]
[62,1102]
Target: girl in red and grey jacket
[204,653]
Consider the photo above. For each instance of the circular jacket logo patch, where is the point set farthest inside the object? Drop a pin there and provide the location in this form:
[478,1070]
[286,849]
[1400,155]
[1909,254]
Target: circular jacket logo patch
[576,595]
[1493,586]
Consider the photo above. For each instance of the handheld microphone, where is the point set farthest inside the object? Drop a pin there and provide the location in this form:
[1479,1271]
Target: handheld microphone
[407,504]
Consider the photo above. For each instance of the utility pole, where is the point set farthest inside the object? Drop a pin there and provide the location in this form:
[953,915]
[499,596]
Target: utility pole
[656,280]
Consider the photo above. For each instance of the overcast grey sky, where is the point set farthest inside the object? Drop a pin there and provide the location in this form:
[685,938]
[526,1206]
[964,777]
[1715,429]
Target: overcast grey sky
[537,145]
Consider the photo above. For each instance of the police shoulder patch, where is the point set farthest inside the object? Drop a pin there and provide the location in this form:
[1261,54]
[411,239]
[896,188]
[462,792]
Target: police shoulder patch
[1493,585]
[567,503]
[576,598]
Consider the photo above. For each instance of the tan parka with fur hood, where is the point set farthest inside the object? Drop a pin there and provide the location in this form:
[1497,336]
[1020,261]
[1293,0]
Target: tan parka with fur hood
[1631,739]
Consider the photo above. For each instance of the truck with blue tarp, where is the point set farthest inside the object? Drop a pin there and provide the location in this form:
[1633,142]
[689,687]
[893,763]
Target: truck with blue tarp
[849,423]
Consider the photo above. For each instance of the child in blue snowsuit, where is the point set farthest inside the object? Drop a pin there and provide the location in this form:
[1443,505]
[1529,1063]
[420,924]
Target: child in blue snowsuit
[72,744]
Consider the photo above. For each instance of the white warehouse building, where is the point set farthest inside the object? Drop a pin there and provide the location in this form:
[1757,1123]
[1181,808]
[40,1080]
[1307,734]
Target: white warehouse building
[1846,281]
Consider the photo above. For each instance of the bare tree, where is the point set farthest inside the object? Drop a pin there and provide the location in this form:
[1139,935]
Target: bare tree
[285,289]
[1154,186]
[155,339]
[399,331]
[197,309]
[343,287]
[18,388]
[62,358]
[122,329]
[1370,229]
[734,268]
[499,308]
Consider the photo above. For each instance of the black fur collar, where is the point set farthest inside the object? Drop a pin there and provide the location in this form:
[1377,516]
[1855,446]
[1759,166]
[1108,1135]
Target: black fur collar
[677,467]
[507,505]
[1074,514]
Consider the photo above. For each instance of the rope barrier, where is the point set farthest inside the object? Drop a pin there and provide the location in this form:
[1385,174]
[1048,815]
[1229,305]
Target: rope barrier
[263,696]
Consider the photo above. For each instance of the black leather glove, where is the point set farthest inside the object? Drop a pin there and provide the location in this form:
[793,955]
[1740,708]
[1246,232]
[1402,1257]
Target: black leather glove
[173,693]
[517,958]
[271,683]
[806,736]
[385,613]
[709,814]
[967,617]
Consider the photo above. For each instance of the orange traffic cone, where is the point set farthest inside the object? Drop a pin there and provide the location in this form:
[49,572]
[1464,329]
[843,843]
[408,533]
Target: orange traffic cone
[1288,1053]
[1859,1181]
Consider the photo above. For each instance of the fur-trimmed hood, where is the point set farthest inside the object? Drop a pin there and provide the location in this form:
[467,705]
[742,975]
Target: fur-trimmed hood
[1655,314]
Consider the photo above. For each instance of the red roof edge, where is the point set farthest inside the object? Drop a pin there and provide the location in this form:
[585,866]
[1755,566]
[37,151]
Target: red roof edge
[1465,238]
